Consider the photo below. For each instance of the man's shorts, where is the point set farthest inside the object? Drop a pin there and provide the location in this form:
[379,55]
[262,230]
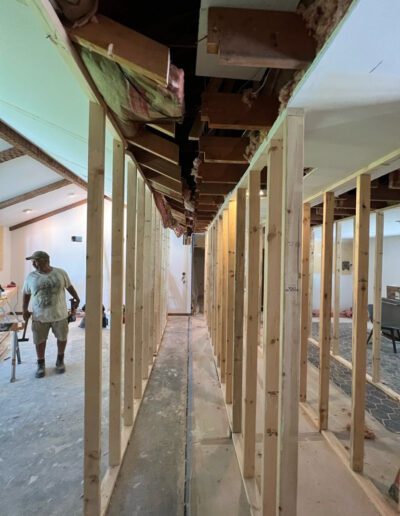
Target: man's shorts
[40,330]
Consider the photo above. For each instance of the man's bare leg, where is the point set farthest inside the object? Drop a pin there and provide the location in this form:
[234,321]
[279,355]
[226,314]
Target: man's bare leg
[60,367]
[40,353]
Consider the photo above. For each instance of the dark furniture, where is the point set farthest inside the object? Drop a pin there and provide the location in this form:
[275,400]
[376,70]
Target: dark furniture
[390,320]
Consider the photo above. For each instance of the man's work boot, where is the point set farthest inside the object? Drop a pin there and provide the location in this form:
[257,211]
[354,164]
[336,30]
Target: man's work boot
[41,370]
[60,367]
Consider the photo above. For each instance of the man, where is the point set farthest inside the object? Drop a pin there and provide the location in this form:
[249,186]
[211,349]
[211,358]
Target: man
[46,287]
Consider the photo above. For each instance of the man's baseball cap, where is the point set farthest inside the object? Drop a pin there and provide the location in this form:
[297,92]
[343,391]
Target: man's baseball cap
[38,255]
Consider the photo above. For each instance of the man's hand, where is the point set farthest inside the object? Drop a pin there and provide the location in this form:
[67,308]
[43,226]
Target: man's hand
[26,314]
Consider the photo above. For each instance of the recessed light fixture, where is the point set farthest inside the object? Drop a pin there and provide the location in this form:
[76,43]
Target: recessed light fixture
[72,194]
[28,210]
[262,193]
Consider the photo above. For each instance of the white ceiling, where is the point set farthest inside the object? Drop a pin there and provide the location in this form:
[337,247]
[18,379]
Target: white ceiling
[4,145]
[207,64]
[39,95]
[351,96]
[22,175]
[41,205]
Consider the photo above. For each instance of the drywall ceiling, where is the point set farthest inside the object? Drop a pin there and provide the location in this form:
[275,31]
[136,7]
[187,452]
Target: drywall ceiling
[41,205]
[4,145]
[207,64]
[22,175]
[39,95]
[351,96]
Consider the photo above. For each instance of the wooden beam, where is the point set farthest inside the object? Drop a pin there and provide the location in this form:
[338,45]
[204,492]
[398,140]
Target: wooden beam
[376,334]
[157,164]
[206,207]
[10,154]
[385,194]
[228,111]
[155,177]
[146,344]
[167,128]
[139,303]
[128,48]
[292,200]
[230,299]
[252,302]
[325,309]
[238,311]
[219,293]
[259,38]
[271,329]
[130,284]
[360,316]
[197,129]
[166,191]
[224,149]
[48,214]
[224,289]
[117,265]
[93,314]
[215,188]
[34,193]
[221,172]
[156,144]
[28,148]
[336,304]
[305,302]
[210,198]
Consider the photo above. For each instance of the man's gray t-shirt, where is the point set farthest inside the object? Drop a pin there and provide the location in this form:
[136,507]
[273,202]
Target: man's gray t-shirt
[48,294]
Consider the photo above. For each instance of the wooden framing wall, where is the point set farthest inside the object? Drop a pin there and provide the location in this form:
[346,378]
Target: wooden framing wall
[360,317]
[305,301]
[283,154]
[145,312]
[376,333]
[336,296]
[325,309]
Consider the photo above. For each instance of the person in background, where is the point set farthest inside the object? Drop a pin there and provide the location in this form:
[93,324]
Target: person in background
[45,287]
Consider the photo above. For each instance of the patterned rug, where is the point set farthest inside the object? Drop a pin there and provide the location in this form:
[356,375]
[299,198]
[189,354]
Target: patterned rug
[382,407]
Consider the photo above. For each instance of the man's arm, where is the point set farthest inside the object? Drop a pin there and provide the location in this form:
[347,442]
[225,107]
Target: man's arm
[25,303]
[75,296]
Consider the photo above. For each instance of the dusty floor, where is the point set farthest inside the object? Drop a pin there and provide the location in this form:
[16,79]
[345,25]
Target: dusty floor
[41,430]
[183,404]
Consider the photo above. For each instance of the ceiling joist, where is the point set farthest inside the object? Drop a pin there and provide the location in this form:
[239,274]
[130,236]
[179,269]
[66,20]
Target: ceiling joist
[125,46]
[9,154]
[49,214]
[159,179]
[157,164]
[12,137]
[157,145]
[228,111]
[221,172]
[166,191]
[259,38]
[167,128]
[34,193]
[224,149]
[215,188]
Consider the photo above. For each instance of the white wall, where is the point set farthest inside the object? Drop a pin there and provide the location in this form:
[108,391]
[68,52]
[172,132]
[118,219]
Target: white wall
[180,260]
[390,273]
[5,269]
[53,235]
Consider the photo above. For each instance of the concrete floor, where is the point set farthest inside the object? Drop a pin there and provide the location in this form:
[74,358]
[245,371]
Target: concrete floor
[41,431]
[161,476]
[41,434]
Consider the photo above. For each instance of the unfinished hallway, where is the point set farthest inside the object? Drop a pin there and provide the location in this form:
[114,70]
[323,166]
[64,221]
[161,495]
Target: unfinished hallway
[220,183]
